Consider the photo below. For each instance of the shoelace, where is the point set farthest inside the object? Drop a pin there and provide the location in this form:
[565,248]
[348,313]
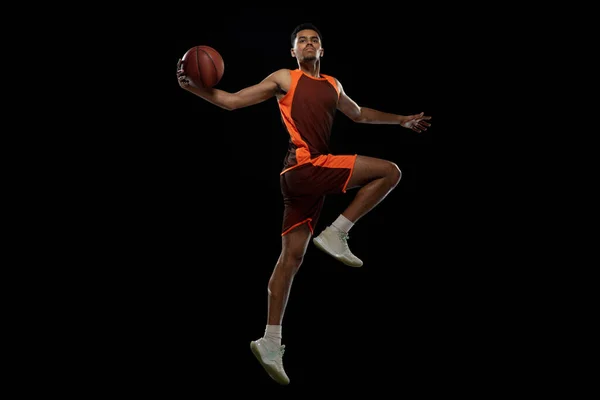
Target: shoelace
[344,236]
[279,359]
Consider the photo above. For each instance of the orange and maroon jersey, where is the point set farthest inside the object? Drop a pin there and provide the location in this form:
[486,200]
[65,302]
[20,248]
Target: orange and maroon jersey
[307,111]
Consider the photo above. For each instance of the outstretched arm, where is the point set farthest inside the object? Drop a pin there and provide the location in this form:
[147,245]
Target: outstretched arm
[365,115]
[248,96]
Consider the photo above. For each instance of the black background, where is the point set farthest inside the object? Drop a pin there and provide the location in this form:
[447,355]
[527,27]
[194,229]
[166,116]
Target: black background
[201,211]
[172,208]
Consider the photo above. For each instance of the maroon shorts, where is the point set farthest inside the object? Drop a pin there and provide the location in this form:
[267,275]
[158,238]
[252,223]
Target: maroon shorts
[304,188]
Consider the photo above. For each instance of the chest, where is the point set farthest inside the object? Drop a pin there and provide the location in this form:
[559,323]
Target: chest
[317,94]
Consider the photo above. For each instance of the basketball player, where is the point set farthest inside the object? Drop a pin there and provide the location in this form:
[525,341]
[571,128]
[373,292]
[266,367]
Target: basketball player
[308,100]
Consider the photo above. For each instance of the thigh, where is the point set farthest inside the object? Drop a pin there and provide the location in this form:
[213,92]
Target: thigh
[367,169]
[301,210]
[326,174]
[295,242]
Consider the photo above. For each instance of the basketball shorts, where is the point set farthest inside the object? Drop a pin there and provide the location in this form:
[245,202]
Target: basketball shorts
[304,188]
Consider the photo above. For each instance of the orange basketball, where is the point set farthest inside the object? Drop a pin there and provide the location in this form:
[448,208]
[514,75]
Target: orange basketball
[203,66]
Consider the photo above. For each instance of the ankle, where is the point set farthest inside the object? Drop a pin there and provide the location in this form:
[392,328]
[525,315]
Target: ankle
[273,334]
[342,224]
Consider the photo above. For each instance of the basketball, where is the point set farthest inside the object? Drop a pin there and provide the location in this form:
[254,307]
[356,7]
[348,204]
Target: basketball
[203,66]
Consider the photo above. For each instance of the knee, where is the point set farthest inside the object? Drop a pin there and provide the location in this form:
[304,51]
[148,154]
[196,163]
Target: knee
[294,261]
[290,263]
[395,174]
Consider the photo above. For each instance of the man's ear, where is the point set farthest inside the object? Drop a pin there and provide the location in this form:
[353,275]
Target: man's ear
[293,53]
[321,51]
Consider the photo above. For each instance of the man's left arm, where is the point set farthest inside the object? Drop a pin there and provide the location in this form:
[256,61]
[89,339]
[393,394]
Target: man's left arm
[365,115]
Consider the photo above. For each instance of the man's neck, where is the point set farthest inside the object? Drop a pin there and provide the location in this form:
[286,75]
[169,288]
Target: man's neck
[311,68]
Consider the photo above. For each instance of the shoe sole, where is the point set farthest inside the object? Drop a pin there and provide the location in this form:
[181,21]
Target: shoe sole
[321,246]
[272,373]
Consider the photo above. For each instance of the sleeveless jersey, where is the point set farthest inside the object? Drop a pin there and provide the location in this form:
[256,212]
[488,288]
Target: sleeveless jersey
[307,111]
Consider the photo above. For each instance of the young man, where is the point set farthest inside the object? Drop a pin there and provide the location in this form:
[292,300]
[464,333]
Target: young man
[308,101]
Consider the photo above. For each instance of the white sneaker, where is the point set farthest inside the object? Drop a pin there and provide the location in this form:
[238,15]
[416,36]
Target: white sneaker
[270,357]
[335,243]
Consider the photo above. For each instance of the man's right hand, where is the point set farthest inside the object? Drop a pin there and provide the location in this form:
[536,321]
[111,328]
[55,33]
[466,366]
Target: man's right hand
[181,77]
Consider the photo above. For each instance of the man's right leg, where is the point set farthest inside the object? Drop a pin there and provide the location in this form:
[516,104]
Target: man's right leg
[268,349]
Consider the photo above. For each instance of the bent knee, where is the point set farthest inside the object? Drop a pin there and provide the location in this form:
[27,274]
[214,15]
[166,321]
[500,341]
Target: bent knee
[394,174]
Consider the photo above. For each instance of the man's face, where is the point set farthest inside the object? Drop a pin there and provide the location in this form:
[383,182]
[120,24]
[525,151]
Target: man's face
[308,46]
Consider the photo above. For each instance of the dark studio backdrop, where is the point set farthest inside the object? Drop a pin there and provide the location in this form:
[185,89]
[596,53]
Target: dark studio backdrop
[207,206]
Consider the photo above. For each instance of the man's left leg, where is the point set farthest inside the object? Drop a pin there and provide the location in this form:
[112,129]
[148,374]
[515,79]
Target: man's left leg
[376,179]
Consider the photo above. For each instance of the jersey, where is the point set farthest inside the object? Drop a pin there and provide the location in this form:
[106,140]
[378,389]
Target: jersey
[310,171]
[307,111]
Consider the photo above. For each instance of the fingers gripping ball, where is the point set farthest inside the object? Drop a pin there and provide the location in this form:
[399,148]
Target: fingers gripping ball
[203,66]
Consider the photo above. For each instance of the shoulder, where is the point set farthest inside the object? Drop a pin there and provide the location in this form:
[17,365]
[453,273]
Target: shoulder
[282,78]
[334,82]
[332,79]
[283,73]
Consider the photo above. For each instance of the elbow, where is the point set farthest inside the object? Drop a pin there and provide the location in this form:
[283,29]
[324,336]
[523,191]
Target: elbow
[227,105]
[359,118]
[232,105]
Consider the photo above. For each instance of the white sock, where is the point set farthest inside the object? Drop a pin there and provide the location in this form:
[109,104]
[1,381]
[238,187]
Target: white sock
[273,334]
[343,224]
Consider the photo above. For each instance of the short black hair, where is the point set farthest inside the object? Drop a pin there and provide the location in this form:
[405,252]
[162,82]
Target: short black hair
[303,26]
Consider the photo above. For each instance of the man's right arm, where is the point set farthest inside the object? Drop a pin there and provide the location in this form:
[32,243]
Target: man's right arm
[248,96]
